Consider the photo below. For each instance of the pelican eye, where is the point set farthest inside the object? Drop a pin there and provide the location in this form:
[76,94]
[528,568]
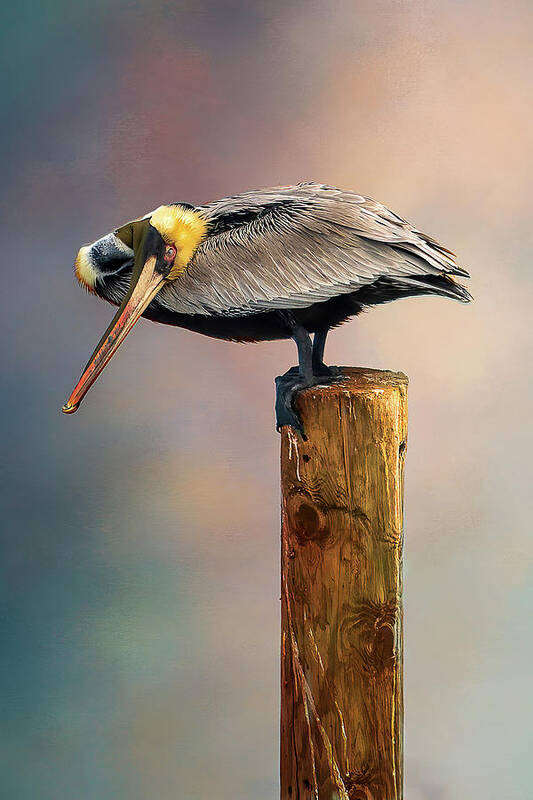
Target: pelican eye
[170,253]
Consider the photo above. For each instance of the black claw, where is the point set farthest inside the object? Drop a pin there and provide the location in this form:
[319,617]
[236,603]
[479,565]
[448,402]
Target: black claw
[293,422]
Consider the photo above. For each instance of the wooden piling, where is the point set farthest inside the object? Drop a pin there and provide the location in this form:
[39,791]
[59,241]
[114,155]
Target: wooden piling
[341,584]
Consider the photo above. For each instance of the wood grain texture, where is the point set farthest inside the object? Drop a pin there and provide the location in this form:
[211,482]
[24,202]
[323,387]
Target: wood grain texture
[342,544]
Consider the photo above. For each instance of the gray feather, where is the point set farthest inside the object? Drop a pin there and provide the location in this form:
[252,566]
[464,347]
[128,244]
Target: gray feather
[307,244]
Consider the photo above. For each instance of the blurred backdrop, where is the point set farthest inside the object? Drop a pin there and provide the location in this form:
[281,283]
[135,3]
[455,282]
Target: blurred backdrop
[140,544]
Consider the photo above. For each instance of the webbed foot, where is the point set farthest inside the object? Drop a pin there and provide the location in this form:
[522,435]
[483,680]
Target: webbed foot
[288,386]
[322,370]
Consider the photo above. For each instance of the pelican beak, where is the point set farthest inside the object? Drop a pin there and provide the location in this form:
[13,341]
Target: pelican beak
[141,293]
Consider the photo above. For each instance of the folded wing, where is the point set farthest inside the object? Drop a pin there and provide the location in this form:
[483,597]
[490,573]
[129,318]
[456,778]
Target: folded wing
[290,247]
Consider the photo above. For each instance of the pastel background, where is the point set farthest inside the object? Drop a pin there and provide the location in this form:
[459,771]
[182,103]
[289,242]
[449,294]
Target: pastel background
[140,538]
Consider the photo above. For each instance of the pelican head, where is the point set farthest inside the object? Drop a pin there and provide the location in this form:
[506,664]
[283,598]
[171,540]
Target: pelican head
[158,248]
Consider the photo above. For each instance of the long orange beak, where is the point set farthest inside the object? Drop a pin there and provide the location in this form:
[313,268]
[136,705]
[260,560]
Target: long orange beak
[139,297]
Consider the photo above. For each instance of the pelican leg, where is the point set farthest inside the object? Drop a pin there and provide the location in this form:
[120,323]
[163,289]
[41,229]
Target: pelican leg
[289,384]
[305,354]
[319,343]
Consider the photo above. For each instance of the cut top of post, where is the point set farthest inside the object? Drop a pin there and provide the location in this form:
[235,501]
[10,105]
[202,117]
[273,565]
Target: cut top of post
[361,380]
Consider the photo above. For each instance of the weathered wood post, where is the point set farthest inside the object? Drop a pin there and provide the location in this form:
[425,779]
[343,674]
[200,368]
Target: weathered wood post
[341,584]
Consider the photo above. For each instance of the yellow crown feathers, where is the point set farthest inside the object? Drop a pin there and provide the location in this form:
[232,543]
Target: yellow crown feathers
[182,227]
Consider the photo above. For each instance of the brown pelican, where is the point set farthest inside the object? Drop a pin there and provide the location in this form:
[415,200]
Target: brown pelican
[273,264]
